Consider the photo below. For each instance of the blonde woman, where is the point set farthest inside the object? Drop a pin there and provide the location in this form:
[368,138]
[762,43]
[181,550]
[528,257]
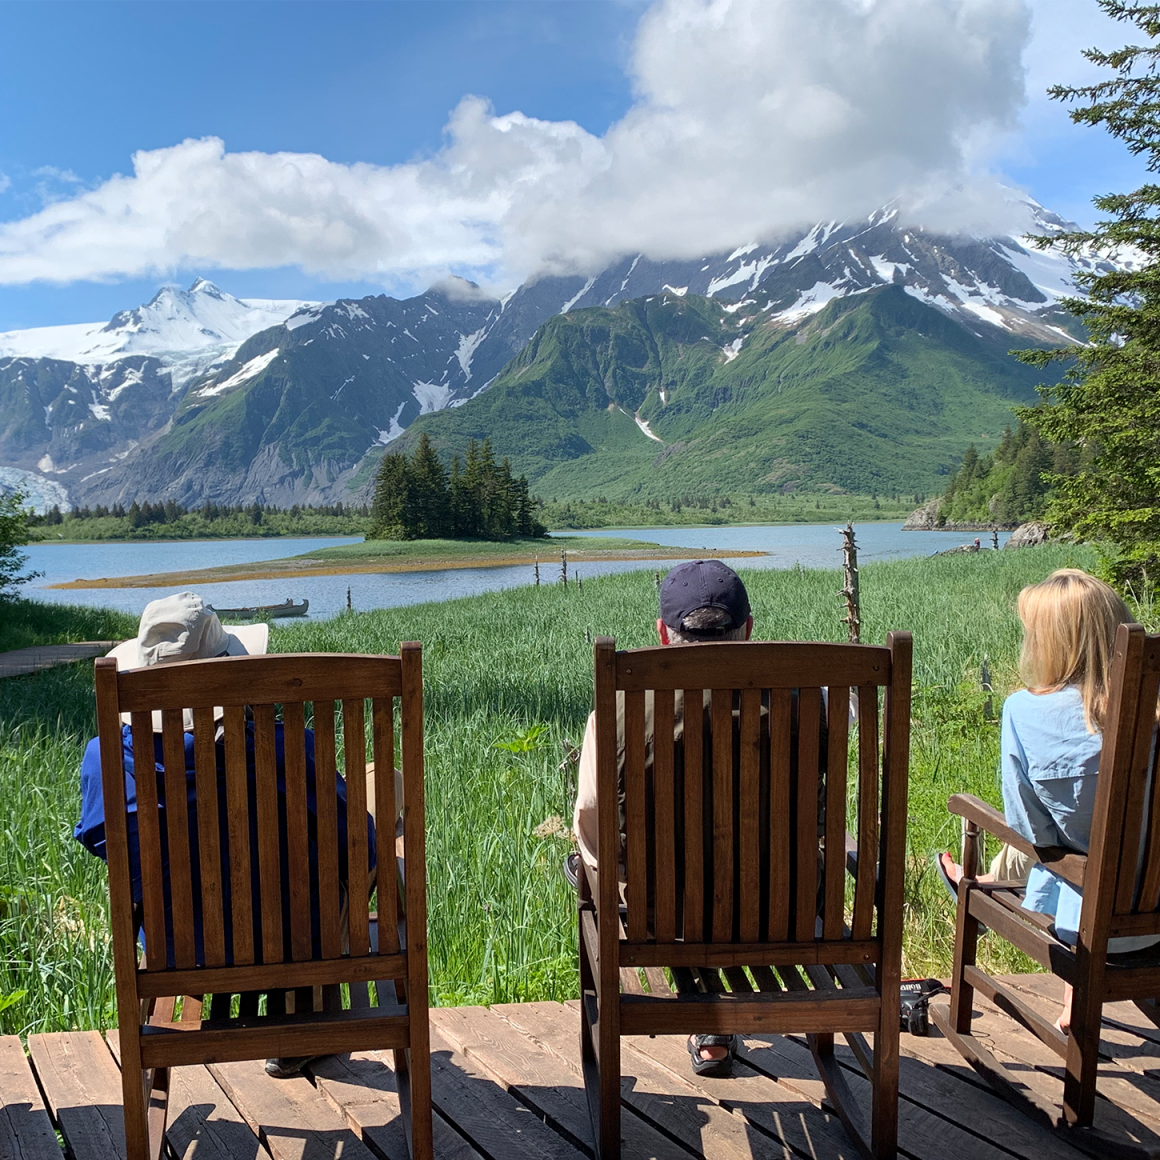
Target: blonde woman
[1051,740]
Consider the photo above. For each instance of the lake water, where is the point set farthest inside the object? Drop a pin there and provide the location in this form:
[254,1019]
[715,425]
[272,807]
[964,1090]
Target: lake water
[810,545]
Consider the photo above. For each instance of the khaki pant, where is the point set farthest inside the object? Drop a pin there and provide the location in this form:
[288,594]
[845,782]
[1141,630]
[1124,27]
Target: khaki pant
[1011,865]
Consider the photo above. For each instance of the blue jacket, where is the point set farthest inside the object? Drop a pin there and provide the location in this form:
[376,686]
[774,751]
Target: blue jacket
[90,831]
[1050,766]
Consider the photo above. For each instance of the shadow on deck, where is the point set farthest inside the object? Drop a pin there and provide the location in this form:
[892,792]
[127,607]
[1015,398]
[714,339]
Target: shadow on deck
[507,1087]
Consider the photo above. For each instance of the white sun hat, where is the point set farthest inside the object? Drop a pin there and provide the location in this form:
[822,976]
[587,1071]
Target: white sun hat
[182,627]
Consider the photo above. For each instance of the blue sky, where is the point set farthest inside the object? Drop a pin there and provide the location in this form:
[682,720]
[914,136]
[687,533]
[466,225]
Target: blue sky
[370,87]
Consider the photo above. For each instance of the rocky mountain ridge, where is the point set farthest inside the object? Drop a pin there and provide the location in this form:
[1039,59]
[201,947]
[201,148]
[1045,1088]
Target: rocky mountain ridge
[293,402]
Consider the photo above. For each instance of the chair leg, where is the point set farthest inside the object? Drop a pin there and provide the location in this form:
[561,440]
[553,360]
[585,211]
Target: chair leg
[134,1099]
[884,1089]
[966,952]
[840,1093]
[1083,1046]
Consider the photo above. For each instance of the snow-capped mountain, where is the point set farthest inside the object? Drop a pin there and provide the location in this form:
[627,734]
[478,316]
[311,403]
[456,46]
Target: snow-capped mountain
[187,330]
[199,395]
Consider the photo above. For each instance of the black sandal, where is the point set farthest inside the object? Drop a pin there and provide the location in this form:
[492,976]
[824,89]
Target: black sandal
[721,1068]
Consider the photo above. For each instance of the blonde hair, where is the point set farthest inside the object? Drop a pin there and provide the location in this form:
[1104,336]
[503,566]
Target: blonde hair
[1069,629]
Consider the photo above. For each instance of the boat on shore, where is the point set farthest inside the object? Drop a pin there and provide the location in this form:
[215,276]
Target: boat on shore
[266,611]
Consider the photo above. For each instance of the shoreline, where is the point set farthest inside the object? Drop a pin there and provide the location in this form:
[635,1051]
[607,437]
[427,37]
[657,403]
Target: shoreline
[297,567]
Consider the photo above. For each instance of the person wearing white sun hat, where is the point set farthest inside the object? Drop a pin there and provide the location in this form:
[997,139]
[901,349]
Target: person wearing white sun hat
[183,627]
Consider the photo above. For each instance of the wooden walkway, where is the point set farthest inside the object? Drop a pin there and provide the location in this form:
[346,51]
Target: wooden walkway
[507,1087]
[21,661]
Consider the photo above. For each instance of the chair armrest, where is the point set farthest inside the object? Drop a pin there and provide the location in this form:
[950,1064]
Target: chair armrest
[1066,863]
[986,817]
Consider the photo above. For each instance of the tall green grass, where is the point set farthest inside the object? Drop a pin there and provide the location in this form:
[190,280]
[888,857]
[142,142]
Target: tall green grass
[508,686]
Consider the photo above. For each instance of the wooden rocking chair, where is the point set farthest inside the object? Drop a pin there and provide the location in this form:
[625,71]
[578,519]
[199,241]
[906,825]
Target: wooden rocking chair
[731,884]
[1120,879]
[248,947]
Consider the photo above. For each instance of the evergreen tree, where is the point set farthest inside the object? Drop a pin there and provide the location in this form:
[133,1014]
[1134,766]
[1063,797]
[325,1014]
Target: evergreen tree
[390,500]
[1109,400]
[427,513]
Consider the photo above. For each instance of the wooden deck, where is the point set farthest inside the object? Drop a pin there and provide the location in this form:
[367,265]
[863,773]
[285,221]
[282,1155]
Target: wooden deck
[507,1087]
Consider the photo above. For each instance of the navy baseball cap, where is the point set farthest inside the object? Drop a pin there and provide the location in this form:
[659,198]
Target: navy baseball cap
[703,584]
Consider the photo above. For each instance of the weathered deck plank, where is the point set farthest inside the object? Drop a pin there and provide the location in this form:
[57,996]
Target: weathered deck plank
[363,1088]
[685,1112]
[25,1129]
[19,662]
[83,1087]
[538,1078]
[507,1086]
[291,1116]
[202,1124]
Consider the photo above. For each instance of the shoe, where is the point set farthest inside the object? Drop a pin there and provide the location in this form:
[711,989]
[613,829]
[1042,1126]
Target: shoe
[721,1068]
[286,1066]
[952,888]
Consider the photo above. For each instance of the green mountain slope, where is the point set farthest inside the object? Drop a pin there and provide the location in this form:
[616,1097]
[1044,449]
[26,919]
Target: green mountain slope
[878,392]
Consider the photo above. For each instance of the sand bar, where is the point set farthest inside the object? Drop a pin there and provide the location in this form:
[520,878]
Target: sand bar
[299,566]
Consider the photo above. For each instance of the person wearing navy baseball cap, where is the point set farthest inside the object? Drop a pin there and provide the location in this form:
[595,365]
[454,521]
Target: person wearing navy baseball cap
[703,600]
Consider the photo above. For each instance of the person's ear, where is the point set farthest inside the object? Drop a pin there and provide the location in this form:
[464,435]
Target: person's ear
[749,628]
[662,631]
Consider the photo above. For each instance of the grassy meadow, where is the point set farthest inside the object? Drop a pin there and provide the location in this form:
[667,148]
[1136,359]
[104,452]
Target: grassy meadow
[508,687]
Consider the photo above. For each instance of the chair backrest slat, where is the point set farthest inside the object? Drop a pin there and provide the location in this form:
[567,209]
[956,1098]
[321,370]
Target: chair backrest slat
[149,835]
[297,829]
[664,796]
[355,762]
[239,829]
[238,823]
[269,854]
[864,882]
[208,837]
[750,815]
[724,800]
[636,885]
[838,719]
[1128,875]
[693,920]
[386,870]
[1150,877]
[721,715]
[780,816]
[806,895]
[177,836]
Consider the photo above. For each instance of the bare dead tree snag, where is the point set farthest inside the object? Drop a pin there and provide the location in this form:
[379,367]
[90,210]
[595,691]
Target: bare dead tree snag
[853,617]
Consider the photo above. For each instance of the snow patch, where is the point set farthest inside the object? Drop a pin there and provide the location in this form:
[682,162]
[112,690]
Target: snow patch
[583,290]
[987,314]
[101,412]
[431,396]
[395,429]
[733,349]
[679,291]
[302,316]
[811,301]
[250,371]
[643,425]
[468,343]
[740,252]
[885,269]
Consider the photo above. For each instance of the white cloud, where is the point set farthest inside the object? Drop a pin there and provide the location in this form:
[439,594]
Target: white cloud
[751,116]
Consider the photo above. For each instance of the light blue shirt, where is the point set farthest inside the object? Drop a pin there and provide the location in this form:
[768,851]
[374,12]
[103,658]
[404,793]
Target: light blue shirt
[1049,765]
